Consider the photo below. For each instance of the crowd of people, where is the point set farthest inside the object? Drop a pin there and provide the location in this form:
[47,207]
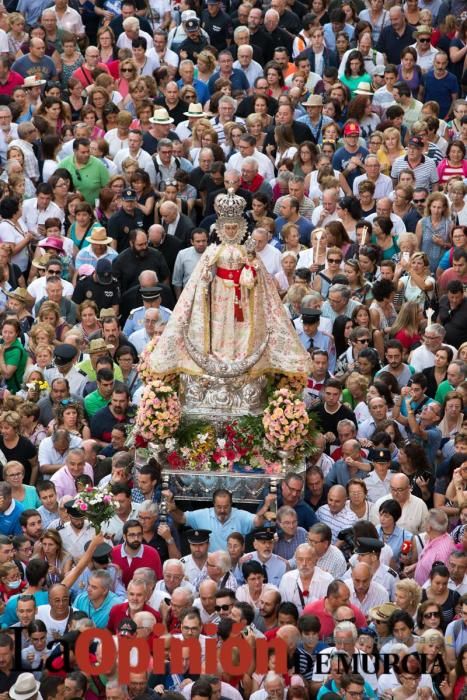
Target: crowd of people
[343,125]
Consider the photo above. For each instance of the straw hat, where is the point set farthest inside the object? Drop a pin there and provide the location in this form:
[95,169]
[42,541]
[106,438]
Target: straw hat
[41,262]
[364,89]
[313,101]
[99,236]
[422,29]
[21,294]
[98,345]
[32,81]
[382,612]
[161,116]
[195,109]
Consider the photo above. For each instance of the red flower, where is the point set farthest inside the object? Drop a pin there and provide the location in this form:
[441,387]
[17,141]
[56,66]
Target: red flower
[175,461]
[140,441]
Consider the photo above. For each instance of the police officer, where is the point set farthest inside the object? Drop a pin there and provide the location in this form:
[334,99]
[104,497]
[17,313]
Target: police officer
[151,300]
[274,567]
[313,339]
[126,219]
[65,356]
[195,563]
[368,550]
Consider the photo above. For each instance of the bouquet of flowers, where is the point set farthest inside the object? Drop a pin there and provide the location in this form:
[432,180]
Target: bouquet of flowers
[145,370]
[97,504]
[286,422]
[159,412]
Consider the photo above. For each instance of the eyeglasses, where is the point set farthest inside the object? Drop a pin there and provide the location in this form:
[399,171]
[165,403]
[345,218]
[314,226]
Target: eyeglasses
[17,475]
[424,41]
[346,619]
[78,175]
[128,70]
[224,608]
[335,261]
[431,614]
[53,272]
[67,402]
[401,490]
[419,201]
[362,340]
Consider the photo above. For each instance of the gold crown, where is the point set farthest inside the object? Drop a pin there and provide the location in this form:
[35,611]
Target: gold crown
[230,205]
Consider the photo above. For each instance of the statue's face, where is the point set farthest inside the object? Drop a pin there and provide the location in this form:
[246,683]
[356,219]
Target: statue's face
[230,231]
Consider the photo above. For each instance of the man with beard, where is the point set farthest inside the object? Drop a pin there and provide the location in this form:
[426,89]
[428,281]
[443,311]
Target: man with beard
[133,554]
[77,531]
[138,257]
[268,606]
[195,562]
[112,335]
[118,411]
[137,593]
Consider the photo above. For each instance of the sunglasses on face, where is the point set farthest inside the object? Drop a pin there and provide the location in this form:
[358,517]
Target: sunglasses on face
[224,608]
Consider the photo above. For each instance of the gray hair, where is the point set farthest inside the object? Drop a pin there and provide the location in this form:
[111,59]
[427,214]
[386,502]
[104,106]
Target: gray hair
[130,23]
[242,29]
[61,434]
[341,289]
[224,562]
[346,627]
[252,162]
[438,520]
[170,562]
[226,99]
[436,328]
[186,62]
[103,577]
[245,46]
[162,143]
[146,574]
[272,13]
[145,619]
[149,507]
[272,677]
[347,423]
[284,511]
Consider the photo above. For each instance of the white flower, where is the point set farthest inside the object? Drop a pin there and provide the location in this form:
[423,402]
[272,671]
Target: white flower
[170,444]
[221,443]
[203,437]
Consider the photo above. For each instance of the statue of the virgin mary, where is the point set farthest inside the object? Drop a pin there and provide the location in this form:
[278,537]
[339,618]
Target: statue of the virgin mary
[229,319]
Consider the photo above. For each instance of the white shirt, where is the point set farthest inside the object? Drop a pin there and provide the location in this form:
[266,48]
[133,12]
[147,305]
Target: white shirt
[253,71]
[397,223]
[48,454]
[414,513]
[139,339]
[327,220]
[336,521]
[37,288]
[150,64]
[383,98]
[265,167]
[55,628]
[115,143]
[9,233]
[74,540]
[422,357]
[271,259]
[376,487]
[383,185]
[169,58]
[124,42]
[291,585]
[4,48]
[144,162]
[192,571]
[71,21]
[33,217]
[425,60]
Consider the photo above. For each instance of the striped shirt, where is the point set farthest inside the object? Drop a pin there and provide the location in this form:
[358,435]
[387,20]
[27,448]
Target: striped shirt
[425,173]
[336,521]
[333,562]
[286,548]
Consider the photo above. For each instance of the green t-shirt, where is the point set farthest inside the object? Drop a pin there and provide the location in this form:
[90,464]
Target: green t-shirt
[86,367]
[443,389]
[353,81]
[94,402]
[15,355]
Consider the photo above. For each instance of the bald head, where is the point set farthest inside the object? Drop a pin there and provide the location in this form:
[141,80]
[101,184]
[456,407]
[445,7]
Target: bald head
[337,497]
[400,488]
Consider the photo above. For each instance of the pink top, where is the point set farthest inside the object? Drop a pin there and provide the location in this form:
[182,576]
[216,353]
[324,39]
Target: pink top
[446,171]
[65,482]
[438,549]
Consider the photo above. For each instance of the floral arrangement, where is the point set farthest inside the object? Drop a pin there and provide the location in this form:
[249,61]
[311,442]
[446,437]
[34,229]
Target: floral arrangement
[286,422]
[159,412]
[145,369]
[97,504]
[38,385]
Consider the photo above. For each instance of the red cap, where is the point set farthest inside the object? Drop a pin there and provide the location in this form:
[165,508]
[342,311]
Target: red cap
[351,129]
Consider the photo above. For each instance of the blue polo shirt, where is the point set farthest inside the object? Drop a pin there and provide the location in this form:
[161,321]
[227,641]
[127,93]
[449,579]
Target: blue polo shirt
[206,519]
[10,617]
[9,520]
[100,616]
[238,80]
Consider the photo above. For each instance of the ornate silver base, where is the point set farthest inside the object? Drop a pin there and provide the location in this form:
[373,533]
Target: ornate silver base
[199,486]
[222,399]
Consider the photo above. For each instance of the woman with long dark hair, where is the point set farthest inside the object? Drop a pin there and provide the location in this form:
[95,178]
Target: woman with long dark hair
[354,72]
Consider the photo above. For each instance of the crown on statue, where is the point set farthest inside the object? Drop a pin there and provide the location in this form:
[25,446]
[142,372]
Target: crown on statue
[230,205]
